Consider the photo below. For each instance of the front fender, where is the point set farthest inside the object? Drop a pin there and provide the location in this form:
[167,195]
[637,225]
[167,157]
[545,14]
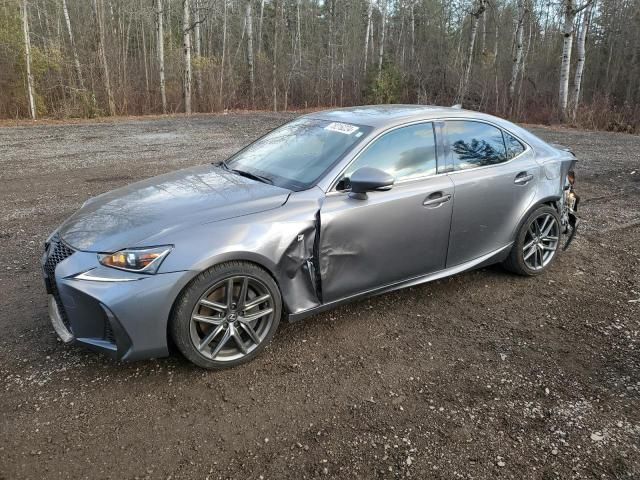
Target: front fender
[280,241]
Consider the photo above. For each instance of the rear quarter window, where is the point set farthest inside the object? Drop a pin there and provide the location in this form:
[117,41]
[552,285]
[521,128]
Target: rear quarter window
[514,146]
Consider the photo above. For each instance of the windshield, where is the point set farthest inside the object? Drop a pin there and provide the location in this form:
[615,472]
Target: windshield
[296,155]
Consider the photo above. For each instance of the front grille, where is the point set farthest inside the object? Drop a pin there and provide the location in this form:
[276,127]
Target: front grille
[57,251]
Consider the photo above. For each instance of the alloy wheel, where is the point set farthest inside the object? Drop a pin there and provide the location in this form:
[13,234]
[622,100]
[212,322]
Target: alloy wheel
[232,318]
[541,241]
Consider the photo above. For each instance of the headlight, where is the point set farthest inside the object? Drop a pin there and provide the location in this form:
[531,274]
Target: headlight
[142,260]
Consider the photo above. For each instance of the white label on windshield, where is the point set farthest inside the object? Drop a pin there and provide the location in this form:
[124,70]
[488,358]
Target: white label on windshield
[341,128]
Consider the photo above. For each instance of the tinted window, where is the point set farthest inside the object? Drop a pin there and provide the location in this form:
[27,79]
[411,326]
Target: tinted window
[475,144]
[297,154]
[514,147]
[407,152]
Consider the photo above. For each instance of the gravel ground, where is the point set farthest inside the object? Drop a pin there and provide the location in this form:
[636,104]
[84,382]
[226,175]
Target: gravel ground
[483,375]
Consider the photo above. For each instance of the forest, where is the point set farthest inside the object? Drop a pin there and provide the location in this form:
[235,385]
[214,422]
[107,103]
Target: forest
[537,61]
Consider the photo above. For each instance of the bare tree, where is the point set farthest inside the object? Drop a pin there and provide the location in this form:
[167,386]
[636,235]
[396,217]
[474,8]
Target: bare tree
[224,51]
[249,23]
[581,54]
[198,46]
[517,57]
[186,51]
[27,59]
[413,31]
[368,32]
[72,43]
[160,43]
[479,9]
[570,12]
[331,50]
[274,66]
[298,33]
[98,13]
[260,26]
[383,27]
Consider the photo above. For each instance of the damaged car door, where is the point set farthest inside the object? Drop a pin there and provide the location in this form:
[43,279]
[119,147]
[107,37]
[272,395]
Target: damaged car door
[382,237]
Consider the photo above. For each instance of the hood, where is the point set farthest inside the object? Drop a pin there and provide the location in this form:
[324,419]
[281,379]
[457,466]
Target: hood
[127,216]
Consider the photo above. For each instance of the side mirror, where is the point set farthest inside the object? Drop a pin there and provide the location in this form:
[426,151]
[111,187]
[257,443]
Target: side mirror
[368,179]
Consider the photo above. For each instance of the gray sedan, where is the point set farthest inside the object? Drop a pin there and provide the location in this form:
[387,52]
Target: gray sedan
[329,208]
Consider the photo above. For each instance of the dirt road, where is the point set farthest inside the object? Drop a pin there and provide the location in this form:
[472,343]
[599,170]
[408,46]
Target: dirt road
[484,375]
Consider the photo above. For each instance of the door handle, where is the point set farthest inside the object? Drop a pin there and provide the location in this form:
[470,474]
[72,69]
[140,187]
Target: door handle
[523,178]
[436,199]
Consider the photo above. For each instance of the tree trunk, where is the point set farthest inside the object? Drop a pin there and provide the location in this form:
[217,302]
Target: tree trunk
[517,54]
[260,26]
[274,68]
[74,51]
[145,66]
[125,63]
[198,47]
[366,38]
[249,22]
[98,12]
[331,51]
[160,40]
[413,33]
[565,64]
[186,50]
[224,52]
[383,25]
[27,60]
[581,53]
[523,67]
[475,16]
[298,34]
[483,38]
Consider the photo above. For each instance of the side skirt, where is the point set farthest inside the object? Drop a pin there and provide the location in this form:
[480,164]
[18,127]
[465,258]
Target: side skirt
[488,259]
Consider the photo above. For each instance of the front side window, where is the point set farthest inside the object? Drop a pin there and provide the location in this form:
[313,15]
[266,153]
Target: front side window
[475,144]
[405,153]
[296,155]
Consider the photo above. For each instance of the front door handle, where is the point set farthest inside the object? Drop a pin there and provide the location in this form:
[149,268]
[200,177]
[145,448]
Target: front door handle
[436,199]
[523,178]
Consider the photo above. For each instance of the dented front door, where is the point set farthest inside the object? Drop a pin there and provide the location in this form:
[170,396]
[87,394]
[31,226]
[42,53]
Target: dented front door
[389,237]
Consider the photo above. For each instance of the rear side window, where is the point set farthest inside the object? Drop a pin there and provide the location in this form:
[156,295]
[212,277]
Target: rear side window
[405,153]
[514,146]
[475,144]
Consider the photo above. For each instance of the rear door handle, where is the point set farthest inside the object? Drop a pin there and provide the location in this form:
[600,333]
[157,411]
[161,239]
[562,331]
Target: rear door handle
[436,199]
[523,178]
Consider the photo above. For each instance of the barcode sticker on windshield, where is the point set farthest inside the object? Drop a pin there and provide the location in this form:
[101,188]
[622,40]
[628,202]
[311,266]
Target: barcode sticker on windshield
[341,128]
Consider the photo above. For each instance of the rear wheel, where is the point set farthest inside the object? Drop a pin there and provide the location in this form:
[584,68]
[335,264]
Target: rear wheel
[536,244]
[226,315]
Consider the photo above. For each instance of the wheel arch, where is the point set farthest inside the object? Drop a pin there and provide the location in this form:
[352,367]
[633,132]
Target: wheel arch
[255,259]
[551,200]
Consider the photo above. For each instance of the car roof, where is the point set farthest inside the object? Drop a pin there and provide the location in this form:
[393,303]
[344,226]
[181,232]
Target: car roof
[381,117]
[388,115]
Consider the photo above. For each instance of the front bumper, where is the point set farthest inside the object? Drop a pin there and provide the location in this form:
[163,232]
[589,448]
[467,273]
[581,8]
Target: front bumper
[125,315]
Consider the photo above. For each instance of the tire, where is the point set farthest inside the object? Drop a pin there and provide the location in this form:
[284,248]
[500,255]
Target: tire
[204,316]
[520,260]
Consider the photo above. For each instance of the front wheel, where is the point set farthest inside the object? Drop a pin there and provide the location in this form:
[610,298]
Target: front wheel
[536,243]
[226,315]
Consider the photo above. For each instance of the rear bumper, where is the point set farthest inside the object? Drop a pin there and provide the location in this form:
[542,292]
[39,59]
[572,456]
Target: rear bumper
[125,318]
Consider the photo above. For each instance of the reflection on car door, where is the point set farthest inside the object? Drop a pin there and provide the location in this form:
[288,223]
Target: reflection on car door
[491,192]
[392,235]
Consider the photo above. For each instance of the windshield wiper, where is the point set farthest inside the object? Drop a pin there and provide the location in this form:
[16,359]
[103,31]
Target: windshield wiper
[252,176]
